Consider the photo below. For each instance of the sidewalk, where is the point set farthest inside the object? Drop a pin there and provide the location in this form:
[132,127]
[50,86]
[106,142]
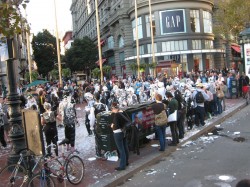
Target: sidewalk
[100,173]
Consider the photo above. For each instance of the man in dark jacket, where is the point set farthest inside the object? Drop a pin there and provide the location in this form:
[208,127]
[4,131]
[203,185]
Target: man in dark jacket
[172,107]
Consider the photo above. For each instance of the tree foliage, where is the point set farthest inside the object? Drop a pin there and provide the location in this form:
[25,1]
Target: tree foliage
[34,76]
[66,72]
[96,73]
[82,55]
[231,17]
[44,51]
[10,19]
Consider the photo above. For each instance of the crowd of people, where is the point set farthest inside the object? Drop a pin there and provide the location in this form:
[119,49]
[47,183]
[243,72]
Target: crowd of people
[195,98]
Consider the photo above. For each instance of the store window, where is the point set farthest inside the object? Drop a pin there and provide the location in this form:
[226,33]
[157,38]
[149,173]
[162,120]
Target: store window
[121,42]
[209,44]
[140,34]
[111,42]
[195,21]
[207,21]
[178,45]
[148,28]
[196,44]
[198,65]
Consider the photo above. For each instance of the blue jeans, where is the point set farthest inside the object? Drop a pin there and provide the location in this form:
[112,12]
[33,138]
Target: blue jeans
[161,132]
[122,146]
[219,105]
[199,115]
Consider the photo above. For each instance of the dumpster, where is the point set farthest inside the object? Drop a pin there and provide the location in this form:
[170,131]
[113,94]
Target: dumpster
[142,118]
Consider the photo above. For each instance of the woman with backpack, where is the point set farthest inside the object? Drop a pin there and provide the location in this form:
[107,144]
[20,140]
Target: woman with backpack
[48,121]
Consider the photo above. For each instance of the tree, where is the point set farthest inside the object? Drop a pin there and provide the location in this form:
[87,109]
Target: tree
[82,55]
[8,11]
[96,73]
[66,72]
[44,51]
[54,74]
[34,76]
[230,18]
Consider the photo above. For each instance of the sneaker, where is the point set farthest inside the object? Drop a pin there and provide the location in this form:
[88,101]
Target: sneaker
[119,169]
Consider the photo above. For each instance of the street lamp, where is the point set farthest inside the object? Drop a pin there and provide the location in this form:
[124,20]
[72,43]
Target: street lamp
[16,133]
[58,49]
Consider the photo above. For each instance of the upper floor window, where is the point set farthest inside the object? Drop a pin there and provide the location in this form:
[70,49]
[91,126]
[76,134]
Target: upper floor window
[178,45]
[196,44]
[111,42]
[121,42]
[207,21]
[149,47]
[195,20]
[140,35]
[148,28]
[209,44]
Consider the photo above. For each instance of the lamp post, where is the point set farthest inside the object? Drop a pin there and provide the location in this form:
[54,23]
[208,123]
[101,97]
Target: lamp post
[98,39]
[152,36]
[16,133]
[137,42]
[58,49]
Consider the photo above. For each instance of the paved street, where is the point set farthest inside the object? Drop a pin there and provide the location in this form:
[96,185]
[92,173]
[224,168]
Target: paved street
[211,160]
[102,173]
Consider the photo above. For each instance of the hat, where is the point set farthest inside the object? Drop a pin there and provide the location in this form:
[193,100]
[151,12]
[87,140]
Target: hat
[200,85]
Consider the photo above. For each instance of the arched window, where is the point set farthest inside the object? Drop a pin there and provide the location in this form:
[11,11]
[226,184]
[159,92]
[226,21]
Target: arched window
[111,42]
[121,42]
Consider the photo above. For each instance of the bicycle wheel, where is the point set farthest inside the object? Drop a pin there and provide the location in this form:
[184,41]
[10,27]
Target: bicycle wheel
[75,169]
[41,181]
[13,175]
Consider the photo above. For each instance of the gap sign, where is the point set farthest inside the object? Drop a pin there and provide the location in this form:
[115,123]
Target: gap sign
[172,21]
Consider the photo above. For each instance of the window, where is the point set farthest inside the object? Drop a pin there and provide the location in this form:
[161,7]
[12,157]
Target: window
[207,21]
[149,47]
[111,60]
[178,45]
[196,44]
[121,57]
[141,50]
[209,44]
[111,42]
[148,29]
[140,35]
[195,20]
[121,42]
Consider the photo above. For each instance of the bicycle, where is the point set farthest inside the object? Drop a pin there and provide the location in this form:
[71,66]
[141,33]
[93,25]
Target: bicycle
[72,168]
[19,173]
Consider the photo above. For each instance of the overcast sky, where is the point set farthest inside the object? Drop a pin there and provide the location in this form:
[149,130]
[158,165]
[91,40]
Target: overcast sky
[41,15]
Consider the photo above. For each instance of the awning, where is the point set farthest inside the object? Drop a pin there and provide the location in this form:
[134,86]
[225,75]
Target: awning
[103,61]
[236,48]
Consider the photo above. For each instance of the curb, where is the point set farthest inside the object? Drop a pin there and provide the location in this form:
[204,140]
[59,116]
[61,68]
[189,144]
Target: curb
[120,179]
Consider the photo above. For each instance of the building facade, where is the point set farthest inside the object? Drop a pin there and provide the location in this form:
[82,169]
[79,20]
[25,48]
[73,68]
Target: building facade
[182,31]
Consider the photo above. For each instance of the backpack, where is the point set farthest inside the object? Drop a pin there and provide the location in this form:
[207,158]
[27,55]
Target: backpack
[100,107]
[49,117]
[161,118]
[69,115]
[199,97]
